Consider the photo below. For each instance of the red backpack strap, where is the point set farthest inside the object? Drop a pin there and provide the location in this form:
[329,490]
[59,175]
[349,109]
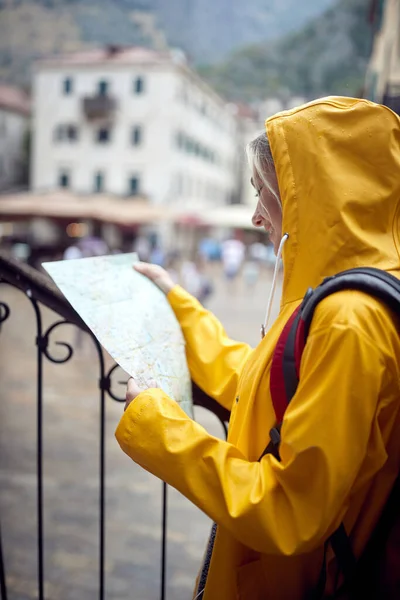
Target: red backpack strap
[285,368]
[284,375]
[277,383]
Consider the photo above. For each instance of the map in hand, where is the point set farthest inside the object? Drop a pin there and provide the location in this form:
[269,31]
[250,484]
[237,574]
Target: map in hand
[131,318]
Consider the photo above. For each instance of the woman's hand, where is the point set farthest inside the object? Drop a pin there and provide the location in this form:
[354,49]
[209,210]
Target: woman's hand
[156,274]
[133,390]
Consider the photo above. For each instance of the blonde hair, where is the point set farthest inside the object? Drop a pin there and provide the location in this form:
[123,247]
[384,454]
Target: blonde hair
[261,163]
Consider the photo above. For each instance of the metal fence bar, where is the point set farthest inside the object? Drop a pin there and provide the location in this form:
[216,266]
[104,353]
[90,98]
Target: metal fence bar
[164,542]
[41,343]
[4,314]
[102,479]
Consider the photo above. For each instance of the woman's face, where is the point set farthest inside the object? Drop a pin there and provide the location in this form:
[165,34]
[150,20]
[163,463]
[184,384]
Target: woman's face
[268,213]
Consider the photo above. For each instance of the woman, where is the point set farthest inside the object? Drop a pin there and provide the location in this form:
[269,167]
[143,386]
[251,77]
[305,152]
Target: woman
[327,174]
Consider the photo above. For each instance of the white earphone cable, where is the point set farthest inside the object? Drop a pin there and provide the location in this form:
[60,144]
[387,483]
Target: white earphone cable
[273,286]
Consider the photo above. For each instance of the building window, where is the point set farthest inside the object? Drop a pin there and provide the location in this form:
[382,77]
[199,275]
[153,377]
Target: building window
[103,88]
[136,135]
[189,145]
[64,179]
[71,133]
[103,135]
[66,132]
[67,86]
[99,182]
[194,147]
[134,185]
[138,85]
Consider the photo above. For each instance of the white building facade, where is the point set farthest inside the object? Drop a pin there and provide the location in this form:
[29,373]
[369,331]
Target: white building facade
[383,74]
[14,120]
[133,122]
[251,125]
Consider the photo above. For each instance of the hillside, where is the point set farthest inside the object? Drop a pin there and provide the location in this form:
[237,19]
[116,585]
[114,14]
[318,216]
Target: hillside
[209,29]
[31,29]
[206,29]
[327,56]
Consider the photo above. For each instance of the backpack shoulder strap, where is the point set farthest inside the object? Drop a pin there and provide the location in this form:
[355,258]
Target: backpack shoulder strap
[284,378]
[377,283]
[280,393]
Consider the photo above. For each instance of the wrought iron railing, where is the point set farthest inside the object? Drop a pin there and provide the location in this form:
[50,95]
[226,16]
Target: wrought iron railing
[40,291]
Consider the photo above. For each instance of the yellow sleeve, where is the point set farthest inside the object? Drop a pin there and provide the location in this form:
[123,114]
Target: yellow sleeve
[214,360]
[288,507]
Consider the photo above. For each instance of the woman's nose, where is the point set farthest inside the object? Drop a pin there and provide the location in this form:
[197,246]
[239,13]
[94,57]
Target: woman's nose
[256,219]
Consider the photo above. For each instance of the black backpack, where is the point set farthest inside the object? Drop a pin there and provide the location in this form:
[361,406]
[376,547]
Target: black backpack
[372,576]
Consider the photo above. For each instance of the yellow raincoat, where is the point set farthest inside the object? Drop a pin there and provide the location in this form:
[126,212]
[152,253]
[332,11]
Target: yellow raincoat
[338,168]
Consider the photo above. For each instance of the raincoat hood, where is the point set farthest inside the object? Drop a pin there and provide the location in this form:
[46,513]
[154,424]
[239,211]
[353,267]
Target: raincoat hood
[338,166]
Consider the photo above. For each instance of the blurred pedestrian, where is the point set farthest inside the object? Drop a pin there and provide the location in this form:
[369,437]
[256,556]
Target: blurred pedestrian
[157,256]
[195,279]
[172,268]
[72,252]
[92,246]
[206,288]
[233,251]
[251,272]
[257,251]
[142,247]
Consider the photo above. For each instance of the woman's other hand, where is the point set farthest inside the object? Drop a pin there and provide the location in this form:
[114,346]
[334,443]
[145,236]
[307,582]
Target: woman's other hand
[156,274]
[133,390]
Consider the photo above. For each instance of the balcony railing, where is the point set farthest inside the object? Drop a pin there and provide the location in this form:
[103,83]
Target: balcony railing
[99,107]
[40,291]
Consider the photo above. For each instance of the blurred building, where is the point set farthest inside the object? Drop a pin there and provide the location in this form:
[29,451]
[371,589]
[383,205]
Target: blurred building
[14,120]
[251,125]
[383,75]
[132,122]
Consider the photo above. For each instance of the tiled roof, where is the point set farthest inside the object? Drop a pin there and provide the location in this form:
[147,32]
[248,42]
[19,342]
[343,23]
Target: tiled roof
[113,55]
[14,100]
